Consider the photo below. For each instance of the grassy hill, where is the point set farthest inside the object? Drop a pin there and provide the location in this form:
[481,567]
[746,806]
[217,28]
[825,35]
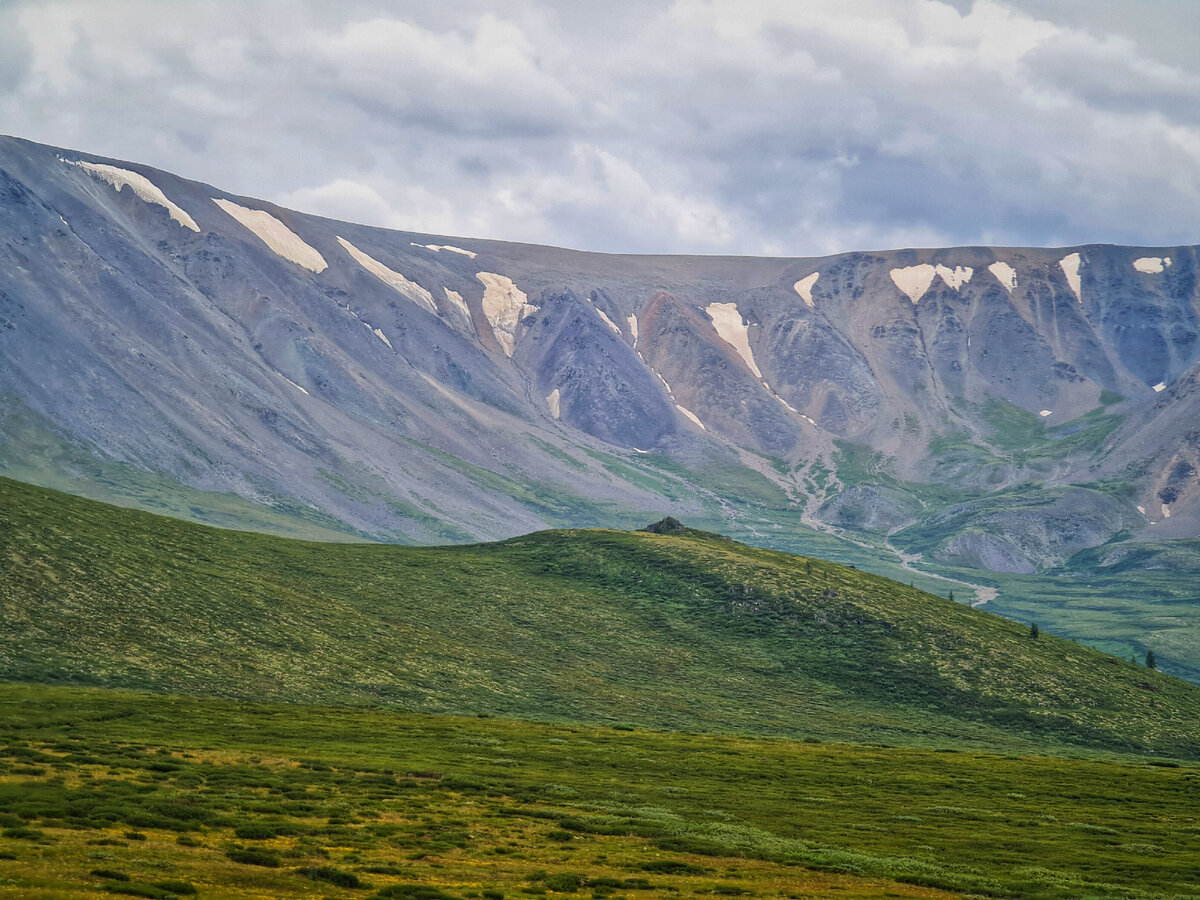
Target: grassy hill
[681,632]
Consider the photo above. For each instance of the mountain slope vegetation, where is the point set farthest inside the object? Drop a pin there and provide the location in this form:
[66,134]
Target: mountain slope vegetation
[689,631]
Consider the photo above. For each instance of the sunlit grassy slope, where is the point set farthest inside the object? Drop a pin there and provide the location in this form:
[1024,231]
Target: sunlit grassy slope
[684,632]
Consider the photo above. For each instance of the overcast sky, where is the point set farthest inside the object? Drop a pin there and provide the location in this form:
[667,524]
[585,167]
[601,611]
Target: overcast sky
[791,127]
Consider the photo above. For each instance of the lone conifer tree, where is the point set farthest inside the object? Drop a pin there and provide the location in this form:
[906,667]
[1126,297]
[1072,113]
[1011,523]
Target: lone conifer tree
[1151,662]
[1033,631]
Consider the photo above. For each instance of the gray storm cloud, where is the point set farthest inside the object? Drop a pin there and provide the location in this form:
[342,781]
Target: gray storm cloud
[695,126]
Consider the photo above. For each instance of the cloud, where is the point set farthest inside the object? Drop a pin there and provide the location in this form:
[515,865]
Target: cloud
[344,199]
[737,126]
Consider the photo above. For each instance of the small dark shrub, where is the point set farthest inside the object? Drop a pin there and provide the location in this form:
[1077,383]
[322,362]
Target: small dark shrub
[561,836]
[110,874]
[256,832]
[564,882]
[332,876]
[183,888]
[412,892]
[254,857]
[25,834]
[139,890]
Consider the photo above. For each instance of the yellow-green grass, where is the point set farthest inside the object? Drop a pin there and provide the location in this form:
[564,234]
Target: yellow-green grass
[184,790]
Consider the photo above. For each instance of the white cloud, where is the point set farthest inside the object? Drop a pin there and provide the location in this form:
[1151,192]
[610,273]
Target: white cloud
[704,125]
[344,199]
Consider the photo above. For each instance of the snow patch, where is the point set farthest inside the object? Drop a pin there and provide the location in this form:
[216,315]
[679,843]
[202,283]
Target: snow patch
[1166,511]
[457,301]
[437,248]
[633,328]
[552,402]
[1046,412]
[1160,387]
[1070,267]
[394,280]
[734,331]
[383,337]
[1142,510]
[914,280]
[607,321]
[691,415]
[504,305]
[277,236]
[1005,274]
[292,383]
[1151,265]
[141,186]
[956,277]
[808,419]
[804,287]
[781,400]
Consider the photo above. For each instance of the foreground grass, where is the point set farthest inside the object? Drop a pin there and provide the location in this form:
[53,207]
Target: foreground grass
[253,800]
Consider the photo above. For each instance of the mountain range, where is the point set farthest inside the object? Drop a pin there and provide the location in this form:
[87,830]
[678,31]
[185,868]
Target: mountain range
[1023,422]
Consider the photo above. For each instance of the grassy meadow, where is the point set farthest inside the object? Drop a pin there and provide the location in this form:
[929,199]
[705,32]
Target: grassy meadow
[108,793]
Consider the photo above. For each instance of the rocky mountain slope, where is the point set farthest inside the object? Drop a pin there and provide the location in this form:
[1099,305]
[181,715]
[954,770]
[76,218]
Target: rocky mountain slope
[167,345]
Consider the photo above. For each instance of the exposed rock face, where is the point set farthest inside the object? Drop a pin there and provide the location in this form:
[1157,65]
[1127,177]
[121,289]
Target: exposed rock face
[417,387]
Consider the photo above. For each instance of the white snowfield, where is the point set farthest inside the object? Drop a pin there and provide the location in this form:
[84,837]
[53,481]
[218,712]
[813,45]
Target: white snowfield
[1070,267]
[141,186]
[504,305]
[734,331]
[781,400]
[1151,265]
[1046,412]
[691,415]
[956,277]
[804,287]
[457,301]
[1005,274]
[277,236]
[383,337]
[293,384]
[394,280]
[1160,387]
[1166,511]
[552,401]
[607,321]
[438,248]
[914,281]
[633,329]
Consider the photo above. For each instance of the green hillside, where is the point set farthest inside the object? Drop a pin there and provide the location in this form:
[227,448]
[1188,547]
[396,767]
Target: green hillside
[681,632]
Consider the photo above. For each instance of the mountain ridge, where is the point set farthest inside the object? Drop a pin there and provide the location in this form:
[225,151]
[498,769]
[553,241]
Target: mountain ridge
[144,360]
